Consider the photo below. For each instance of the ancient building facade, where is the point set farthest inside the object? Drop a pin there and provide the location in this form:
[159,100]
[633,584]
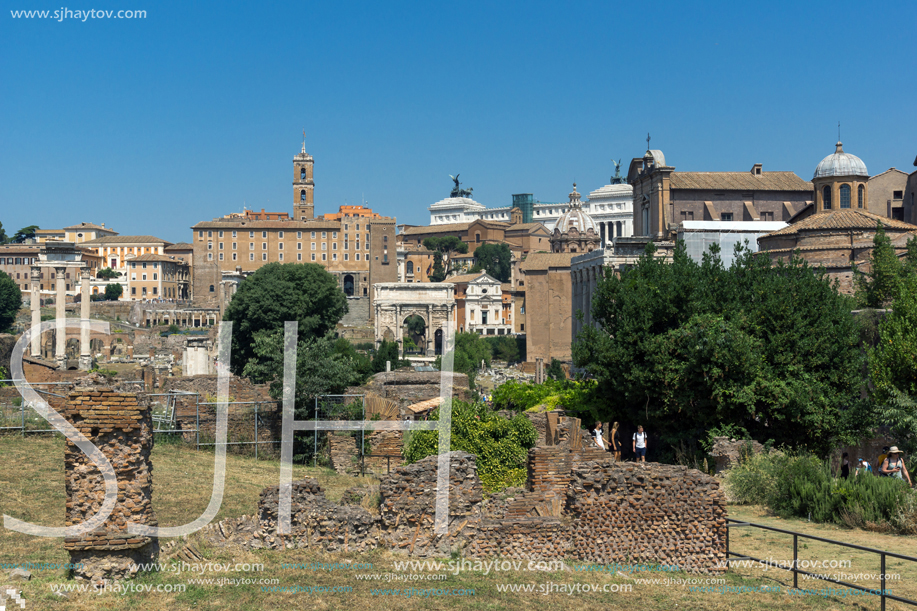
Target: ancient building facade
[886,193]
[482,306]
[357,247]
[548,308]
[575,231]
[664,198]
[836,232]
[586,271]
[158,277]
[395,302]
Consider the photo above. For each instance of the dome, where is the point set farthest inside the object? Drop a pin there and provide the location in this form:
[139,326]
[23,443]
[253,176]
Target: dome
[841,164]
[575,217]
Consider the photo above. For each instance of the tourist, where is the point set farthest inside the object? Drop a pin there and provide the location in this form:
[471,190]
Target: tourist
[597,435]
[893,466]
[881,459]
[639,444]
[863,466]
[845,466]
[615,439]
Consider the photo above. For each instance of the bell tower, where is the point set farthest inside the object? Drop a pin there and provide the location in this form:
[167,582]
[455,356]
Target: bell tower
[303,186]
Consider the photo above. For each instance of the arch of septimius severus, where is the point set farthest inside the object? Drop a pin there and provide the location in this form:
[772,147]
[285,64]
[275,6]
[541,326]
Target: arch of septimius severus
[395,302]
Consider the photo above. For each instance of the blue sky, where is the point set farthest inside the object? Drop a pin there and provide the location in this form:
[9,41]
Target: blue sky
[151,125]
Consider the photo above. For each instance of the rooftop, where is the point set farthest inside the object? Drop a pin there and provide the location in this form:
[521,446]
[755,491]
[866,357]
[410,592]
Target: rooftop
[739,181]
[843,219]
[126,239]
[546,260]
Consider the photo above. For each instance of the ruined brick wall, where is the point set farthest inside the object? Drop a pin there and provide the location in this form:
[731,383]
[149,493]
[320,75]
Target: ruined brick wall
[408,387]
[120,425]
[317,522]
[652,513]
[383,452]
[408,506]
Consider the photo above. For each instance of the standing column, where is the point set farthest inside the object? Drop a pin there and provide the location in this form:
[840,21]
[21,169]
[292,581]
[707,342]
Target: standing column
[85,355]
[428,333]
[60,300]
[399,331]
[36,309]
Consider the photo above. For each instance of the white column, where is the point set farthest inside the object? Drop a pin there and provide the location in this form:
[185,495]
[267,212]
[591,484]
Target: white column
[85,354]
[60,300]
[36,309]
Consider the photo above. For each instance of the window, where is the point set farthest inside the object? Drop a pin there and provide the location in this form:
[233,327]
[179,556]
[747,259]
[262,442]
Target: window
[210,256]
[221,246]
[233,233]
[280,257]
[385,258]
[861,195]
[313,256]
[334,235]
[385,239]
[209,234]
[279,234]
[133,288]
[263,234]
[313,235]
[264,256]
[767,216]
[233,256]
[726,216]
[211,288]
[200,234]
[251,234]
[221,256]
[233,245]
[895,194]
[346,257]
[313,245]
[334,257]
[477,238]
[826,198]
[251,246]
[410,267]
[251,256]
[324,257]
[845,196]
[358,256]
[154,277]
[324,245]
[334,246]
[263,245]
[209,245]
[280,246]
[221,234]
[299,256]
[155,289]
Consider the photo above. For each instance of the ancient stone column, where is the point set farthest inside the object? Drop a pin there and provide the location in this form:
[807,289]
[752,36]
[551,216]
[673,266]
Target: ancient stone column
[60,300]
[36,309]
[121,426]
[85,354]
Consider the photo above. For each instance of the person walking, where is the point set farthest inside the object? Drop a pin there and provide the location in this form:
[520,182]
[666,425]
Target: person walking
[862,466]
[639,444]
[893,466]
[597,435]
[882,458]
[845,466]
[615,439]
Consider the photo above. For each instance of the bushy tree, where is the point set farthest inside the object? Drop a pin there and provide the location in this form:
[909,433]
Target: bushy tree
[495,259]
[686,346]
[555,370]
[113,291]
[281,292]
[10,301]
[107,272]
[3,238]
[500,445]
[507,348]
[442,247]
[470,351]
[878,287]
[24,234]
[388,351]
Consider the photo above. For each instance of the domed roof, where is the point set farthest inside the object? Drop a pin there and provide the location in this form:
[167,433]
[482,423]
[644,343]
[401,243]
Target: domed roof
[841,164]
[575,217]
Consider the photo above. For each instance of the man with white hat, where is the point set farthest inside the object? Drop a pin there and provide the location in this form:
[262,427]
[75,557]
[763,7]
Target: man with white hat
[893,465]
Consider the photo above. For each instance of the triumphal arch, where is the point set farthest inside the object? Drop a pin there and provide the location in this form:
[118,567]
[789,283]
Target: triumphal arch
[396,302]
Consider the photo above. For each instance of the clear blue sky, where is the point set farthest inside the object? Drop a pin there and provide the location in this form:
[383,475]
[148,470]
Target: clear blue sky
[151,125]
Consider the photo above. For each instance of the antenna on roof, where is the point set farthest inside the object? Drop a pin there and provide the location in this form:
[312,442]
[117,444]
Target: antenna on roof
[838,131]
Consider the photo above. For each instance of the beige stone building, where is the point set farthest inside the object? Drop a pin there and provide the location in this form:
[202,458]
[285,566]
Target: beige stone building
[358,247]
[17,261]
[548,309]
[886,193]
[482,305]
[157,277]
[77,234]
[836,231]
[910,197]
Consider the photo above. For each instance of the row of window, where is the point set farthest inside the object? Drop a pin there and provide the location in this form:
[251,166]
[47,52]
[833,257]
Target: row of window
[845,196]
[251,234]
[251,245]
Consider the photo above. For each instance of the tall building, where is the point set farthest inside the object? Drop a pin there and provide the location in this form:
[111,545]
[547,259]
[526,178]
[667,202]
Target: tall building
[357,246]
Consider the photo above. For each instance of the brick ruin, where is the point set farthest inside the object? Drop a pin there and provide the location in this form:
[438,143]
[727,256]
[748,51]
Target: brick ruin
[120,425]
[578,504]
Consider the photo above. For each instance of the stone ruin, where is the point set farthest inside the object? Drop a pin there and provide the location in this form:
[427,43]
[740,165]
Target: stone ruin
[578,504]
[120,425]
[727,452]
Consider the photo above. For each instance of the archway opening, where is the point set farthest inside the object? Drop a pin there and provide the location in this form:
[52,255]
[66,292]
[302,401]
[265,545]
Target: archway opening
[438,342]
[415,334]
[348,285]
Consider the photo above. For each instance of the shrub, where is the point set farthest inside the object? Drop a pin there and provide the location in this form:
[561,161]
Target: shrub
[500,445]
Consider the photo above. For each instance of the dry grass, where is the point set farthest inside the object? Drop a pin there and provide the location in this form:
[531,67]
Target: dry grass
[31,488]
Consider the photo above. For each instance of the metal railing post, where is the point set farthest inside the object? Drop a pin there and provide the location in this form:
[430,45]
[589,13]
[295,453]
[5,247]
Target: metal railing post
[883,581]
[256,431]
[315,439]
[795,561]
[197,424]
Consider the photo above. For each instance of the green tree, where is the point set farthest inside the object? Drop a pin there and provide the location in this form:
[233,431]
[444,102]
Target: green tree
[322,367]
[10,301]
[496,259]
[416,328]
[443,247]
[24,234]
[113,291]
[281,292]
[107,273]
[555,370]
[507,348]
[500,445]
[878,287]
[388,351]
[686,346]
[470,350]
[3,238]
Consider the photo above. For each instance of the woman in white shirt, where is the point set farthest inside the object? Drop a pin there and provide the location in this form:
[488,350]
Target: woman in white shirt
[597,435]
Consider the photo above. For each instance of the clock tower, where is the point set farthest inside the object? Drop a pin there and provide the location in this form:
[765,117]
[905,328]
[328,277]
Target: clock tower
[303,186]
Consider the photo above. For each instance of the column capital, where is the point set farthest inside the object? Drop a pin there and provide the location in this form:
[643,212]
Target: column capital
[84,272]
[36,273]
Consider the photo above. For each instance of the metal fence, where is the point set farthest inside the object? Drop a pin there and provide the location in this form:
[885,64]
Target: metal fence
[338,407]
[883,555]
